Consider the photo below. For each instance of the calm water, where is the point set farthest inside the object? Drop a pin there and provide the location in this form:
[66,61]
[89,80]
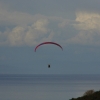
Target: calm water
[46,87]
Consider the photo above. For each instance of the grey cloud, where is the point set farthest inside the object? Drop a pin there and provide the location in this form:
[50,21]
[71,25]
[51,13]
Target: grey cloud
[27,35]
[89,29]
[29,28]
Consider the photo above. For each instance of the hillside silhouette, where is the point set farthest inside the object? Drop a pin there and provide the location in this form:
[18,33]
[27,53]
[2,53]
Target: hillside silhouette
[89,95]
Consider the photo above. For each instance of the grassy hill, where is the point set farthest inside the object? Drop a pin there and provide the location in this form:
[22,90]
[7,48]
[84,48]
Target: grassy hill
[89,96]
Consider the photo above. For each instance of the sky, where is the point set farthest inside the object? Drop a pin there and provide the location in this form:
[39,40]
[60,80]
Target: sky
[75,25]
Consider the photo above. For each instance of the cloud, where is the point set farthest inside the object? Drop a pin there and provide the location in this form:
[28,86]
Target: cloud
[8,16]
[18,18]
[22,28]
[41,25]
[25,35]
[87,21]
[63,24]
[82,38]
[27,29]
[36,32]
[88,26]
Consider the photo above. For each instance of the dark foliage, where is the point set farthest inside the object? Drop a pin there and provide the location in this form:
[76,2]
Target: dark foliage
[89,92]
[93,96]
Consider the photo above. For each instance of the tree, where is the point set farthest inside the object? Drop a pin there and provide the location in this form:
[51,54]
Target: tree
[89,92]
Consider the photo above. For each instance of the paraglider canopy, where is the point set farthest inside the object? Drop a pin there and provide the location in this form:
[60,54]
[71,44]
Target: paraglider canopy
[48,43]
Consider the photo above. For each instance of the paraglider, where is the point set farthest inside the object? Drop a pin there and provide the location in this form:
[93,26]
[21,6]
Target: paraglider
[48,43]
[48,65]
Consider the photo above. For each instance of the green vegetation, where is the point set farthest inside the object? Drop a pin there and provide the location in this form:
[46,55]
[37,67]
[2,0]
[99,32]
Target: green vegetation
[89,95]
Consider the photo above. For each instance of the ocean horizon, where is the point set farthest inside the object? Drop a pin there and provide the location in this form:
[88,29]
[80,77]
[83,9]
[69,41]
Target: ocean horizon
[46,86]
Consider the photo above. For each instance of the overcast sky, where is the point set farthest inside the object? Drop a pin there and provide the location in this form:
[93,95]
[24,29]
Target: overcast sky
[74,24]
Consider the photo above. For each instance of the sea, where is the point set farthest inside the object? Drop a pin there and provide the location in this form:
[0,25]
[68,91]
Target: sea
[46,87]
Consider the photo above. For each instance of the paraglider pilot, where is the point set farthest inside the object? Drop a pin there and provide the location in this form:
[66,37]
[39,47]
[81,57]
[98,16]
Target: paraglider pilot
[48,65]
